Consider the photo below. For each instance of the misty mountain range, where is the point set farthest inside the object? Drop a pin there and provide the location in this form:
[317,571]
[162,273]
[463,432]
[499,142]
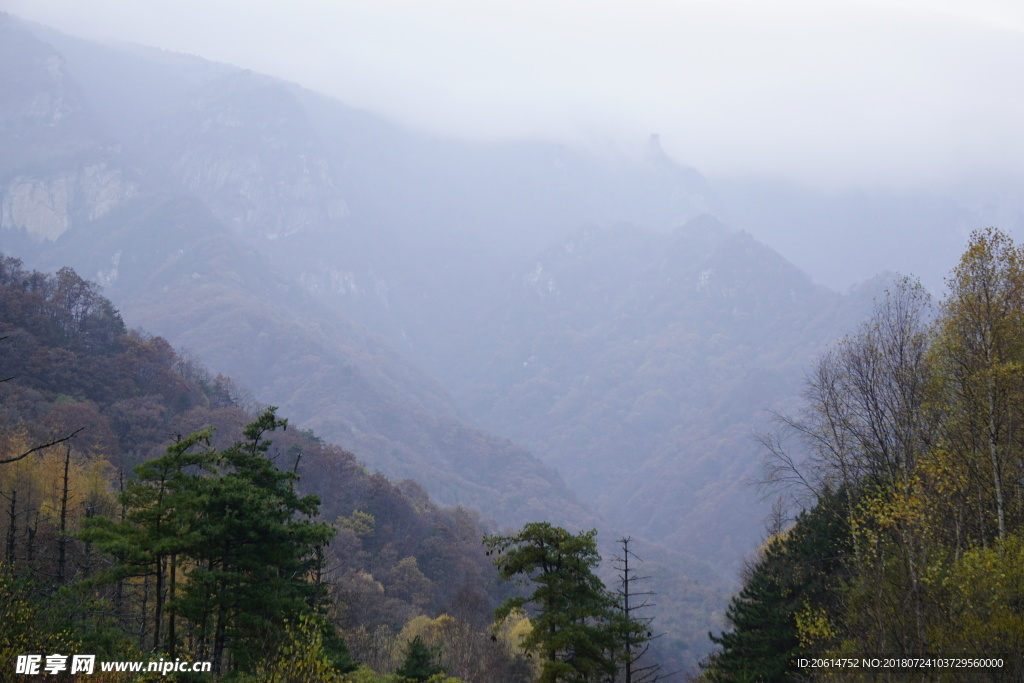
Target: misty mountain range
[530,330]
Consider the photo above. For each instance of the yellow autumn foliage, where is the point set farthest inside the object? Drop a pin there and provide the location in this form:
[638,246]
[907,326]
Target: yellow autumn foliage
[301,658]
[986,594]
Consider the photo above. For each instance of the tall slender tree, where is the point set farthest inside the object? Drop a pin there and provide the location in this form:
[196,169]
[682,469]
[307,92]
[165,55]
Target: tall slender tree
[979,352]
[159,524]
[632,627]
[573,613]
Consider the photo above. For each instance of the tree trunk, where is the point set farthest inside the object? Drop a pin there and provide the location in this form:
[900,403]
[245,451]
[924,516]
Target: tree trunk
[62,538]
[12,526]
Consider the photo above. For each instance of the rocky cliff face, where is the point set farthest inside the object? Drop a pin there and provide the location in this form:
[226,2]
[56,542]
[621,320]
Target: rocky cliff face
[56,169]
[244,146]
[46,206]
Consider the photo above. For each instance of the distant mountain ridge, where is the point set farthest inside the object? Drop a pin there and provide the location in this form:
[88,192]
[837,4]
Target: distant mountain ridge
[113,399]
[392,290]
[640,363]
[171,265]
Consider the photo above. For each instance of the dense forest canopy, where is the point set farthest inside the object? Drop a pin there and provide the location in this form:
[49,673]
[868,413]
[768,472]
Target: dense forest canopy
[909,454]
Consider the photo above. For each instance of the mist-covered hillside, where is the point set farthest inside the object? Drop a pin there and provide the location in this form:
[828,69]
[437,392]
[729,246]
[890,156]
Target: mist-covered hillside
[532,330]
[640,363]
[171,265]
[115,429]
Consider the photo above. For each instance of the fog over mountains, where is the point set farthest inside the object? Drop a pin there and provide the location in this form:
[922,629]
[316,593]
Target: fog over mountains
[528,329]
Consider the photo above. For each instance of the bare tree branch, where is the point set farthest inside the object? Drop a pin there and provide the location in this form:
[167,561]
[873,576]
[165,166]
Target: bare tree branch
[40,447]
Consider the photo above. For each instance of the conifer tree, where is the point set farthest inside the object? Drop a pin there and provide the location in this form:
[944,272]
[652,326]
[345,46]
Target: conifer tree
[258,548]
[243,541]
[420,662]
[793,579]
[572,624]
[159,526]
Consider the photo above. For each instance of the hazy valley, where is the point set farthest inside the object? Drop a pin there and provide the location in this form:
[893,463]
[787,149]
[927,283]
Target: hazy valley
[533,331]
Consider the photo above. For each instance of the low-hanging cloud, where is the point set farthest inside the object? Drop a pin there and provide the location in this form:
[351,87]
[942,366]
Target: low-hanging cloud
[840,92]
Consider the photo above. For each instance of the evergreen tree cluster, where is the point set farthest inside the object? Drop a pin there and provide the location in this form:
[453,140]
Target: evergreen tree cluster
[796,574]
[233,549]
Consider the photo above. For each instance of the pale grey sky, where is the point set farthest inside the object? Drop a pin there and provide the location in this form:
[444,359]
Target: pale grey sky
[828,92]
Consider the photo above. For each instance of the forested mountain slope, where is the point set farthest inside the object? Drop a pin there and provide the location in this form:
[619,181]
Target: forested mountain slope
[654,354]
[71,367]
[906,459]
[174,267]
[393,290]
[641,363]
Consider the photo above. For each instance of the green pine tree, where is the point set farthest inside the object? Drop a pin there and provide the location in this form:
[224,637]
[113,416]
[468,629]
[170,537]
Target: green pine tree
[798,571]
[420,662]
[230,544]
[258,549]
[575,624]
[159,529]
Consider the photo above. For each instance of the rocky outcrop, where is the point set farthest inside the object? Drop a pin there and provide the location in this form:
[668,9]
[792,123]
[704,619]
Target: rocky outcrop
[245,147]
[47,207]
